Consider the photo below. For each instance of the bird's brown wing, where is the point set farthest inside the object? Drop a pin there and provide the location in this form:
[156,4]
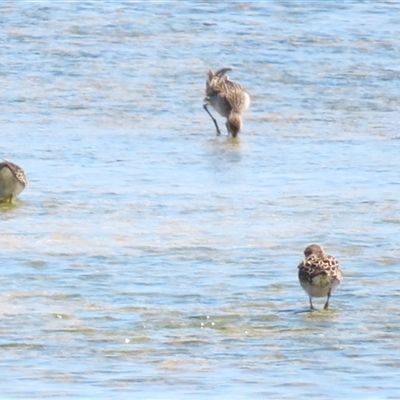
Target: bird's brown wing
[313,266]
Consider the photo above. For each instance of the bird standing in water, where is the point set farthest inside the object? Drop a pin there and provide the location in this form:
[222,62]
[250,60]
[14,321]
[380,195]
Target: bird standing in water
[12,181]
[319,273]
[228,98]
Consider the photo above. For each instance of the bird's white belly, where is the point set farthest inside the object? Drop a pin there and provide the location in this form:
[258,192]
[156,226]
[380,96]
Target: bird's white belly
[320,286]
[9,185]
[220,105]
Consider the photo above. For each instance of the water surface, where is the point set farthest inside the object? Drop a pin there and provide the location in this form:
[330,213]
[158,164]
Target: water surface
[150,258]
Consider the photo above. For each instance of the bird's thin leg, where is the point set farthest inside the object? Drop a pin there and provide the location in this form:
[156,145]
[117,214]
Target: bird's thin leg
[311,306]
[214,120]
[227,128]
[327,300]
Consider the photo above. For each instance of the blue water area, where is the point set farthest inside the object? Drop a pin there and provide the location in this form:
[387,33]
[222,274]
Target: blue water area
[150,258]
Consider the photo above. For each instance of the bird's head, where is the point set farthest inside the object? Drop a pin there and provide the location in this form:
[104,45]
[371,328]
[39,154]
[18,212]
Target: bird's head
[234,124]
[313,249]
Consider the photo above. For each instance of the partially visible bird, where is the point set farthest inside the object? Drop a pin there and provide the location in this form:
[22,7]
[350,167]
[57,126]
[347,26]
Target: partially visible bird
[12,181]
[319,273]
[228,98]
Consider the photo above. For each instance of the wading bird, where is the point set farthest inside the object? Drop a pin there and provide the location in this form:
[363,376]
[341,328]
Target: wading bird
[228,98]
[12,181]
[319,273]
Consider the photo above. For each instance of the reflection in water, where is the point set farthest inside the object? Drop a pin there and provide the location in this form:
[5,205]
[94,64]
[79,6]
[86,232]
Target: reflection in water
[224,153]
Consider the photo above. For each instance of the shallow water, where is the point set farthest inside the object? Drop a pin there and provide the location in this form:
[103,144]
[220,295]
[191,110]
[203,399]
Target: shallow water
[149,257]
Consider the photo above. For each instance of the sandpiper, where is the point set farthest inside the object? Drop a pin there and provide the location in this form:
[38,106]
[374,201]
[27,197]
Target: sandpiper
[12,181]
[228,98]
[319,273]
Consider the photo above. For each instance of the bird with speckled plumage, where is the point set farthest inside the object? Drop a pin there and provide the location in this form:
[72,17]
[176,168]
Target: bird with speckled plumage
[228,98]
[319,273]
[12,181]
